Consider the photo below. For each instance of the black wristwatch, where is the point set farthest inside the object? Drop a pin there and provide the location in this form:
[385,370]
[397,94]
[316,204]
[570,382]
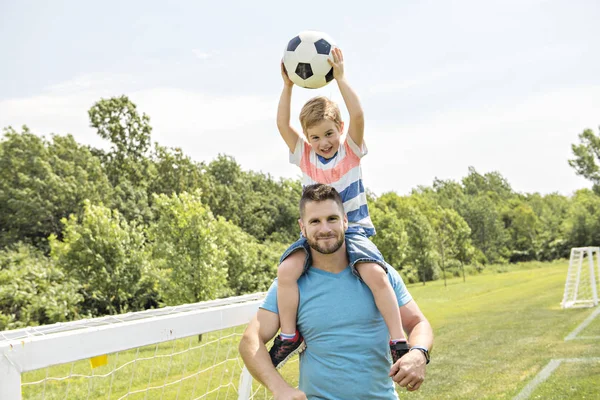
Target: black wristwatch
[423,350]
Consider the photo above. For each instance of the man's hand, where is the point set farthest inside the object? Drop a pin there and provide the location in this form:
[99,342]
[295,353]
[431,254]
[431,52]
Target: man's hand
[286,79]
[289,393]
[409,371]
[337,64]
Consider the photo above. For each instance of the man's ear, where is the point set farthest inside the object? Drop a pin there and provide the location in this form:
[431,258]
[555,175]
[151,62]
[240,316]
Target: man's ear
[345,222]
[301,226]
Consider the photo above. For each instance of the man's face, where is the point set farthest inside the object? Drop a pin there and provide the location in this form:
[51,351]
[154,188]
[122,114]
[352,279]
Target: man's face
[323,224]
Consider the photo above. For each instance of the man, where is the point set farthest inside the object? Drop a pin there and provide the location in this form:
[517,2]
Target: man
[346,355]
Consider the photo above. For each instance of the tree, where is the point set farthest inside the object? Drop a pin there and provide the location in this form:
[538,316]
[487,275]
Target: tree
[128,163]
[521,224]
[43,182]
[487,231]
[176,172]
[34,291]
[587,158]
[116,119]
[107,256]
[452,235]
[582,225]
[251,266]
[186,250]
[391,238]
[265,208]
[552,211]
[420,259]
[492,183]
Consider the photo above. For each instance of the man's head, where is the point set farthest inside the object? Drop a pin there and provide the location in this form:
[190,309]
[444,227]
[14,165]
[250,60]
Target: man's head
[323,126]
[322,218]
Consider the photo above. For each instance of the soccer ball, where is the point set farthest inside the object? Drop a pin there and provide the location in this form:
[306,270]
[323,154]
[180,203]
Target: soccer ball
[305,59]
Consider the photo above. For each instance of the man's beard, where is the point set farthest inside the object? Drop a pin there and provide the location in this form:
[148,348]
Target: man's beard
[323,248]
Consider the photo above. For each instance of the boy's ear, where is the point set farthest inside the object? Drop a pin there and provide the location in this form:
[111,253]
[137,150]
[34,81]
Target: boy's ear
[342,127]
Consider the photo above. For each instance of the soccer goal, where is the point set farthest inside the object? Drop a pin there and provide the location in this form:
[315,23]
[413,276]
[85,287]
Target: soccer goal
[182,352]
[582,276]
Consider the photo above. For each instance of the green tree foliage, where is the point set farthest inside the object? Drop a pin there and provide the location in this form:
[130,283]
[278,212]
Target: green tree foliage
[107,256]
[552,212]
[521,224]
[186,250]
[583,222]
[487,231]
[452,237]
[261,206]
[420,261]
[251,266]
[391,238]
[116,119]
[587,157]
[42,182]
[127,163]
[175,172]
[33,291]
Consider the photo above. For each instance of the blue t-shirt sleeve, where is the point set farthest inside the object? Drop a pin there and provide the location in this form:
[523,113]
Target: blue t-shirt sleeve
[270,301]
[400,289]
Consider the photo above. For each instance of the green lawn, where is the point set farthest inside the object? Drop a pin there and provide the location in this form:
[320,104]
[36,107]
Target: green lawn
[493,334]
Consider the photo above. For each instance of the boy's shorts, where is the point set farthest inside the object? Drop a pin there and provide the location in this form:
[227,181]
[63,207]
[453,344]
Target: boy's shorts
[358,247]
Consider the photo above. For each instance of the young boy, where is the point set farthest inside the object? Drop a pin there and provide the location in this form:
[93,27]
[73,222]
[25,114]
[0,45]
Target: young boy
[328,157]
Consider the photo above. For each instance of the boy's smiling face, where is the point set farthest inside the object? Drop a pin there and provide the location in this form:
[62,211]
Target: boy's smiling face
[325,137]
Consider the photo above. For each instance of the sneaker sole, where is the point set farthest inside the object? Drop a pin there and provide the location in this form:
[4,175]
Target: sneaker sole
[299,350]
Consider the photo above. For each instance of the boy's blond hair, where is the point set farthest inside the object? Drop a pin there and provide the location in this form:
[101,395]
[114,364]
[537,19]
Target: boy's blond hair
[316,110]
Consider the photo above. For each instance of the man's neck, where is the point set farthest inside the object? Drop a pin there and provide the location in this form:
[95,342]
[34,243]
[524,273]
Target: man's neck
[334,262]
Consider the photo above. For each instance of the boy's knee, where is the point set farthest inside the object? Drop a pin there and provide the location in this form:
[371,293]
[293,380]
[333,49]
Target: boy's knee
[373,274]
[292,267]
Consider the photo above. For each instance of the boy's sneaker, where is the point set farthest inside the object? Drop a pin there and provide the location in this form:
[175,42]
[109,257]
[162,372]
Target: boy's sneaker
[398,349]
[283,350]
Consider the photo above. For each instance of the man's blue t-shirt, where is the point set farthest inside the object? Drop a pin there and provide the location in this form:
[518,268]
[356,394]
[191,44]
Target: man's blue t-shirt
[347,353]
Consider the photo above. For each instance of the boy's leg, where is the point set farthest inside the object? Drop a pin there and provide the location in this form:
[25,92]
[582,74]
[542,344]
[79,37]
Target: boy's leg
[377,280]
[290,342]
[288,273]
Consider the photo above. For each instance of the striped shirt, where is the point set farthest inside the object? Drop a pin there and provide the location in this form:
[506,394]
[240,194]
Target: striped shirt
[343,172]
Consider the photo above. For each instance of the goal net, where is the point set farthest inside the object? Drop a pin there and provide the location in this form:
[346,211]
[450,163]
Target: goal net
[582,278]
[183,352]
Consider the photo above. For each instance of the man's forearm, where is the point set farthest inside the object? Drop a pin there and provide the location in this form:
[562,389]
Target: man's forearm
[421,334]
[257,360]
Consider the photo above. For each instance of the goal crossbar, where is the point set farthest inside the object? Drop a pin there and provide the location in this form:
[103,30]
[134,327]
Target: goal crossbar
[29,349]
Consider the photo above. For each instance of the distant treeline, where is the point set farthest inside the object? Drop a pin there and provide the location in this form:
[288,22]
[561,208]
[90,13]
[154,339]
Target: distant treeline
[86,232]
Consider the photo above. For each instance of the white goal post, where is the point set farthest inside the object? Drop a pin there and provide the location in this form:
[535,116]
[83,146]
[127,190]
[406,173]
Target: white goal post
[582,277]
[35,348]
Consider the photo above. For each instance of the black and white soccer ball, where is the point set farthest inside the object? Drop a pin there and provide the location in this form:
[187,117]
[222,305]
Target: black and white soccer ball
[305,59]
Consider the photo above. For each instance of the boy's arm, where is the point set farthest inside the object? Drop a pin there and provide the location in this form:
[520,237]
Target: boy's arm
[260,330]
[289,134]
[356,129]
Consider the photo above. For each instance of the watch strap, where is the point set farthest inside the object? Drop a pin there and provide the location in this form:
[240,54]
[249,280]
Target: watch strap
[423,350]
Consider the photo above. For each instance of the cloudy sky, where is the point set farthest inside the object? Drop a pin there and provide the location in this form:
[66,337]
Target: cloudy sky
[501,85]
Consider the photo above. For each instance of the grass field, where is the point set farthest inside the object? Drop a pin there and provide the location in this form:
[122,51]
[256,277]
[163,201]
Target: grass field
[493,334]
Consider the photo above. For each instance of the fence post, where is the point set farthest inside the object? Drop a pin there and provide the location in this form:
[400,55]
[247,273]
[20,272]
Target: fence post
[245,388]
[10,380]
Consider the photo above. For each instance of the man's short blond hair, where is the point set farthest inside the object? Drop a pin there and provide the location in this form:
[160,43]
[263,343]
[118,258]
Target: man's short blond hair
[316,110]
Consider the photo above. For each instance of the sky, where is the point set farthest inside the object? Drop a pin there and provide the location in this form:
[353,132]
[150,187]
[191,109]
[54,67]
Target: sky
[501,86]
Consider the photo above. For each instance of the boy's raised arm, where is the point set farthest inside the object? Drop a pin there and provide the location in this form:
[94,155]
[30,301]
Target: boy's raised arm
[289,134]
[356,129]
